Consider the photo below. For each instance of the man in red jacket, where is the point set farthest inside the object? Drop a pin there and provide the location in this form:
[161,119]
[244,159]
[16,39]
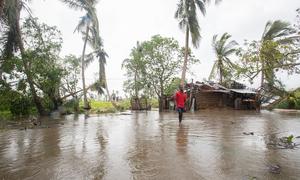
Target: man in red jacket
[180,98]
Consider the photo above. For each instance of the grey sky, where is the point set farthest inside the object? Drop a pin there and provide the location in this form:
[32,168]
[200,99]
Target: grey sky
[123,23]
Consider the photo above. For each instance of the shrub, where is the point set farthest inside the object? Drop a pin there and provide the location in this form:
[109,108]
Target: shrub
[20,105]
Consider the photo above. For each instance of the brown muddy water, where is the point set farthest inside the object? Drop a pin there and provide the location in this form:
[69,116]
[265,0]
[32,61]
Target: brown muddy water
[208,144]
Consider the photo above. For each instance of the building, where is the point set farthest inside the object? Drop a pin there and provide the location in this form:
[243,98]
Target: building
[208,95]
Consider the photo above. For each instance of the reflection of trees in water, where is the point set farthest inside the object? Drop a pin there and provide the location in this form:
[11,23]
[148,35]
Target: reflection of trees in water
[100,171]
[144,153]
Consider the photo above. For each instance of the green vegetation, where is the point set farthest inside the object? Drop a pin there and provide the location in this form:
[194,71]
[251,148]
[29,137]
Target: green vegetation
[291,101]
[34,78]
[223,66]
[186,14]
[153,64]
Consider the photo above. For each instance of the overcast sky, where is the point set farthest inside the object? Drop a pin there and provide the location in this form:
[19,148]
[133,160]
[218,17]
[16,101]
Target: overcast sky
[124,22]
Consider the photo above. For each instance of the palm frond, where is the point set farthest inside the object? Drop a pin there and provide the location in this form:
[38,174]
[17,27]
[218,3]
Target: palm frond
[88,59]
[195,30]
[201,6]
[76,4]
[83,22]
[213,71]
[276,29]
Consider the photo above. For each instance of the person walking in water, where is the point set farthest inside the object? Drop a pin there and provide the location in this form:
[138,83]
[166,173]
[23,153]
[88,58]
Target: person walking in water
[180,98]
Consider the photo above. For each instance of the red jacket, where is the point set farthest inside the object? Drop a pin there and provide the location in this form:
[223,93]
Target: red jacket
[180,98]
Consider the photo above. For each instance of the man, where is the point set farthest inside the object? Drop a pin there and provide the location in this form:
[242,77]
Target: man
[180,98]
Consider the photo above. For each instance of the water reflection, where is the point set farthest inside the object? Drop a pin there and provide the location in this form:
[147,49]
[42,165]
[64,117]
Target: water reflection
[207,145]
[182,138]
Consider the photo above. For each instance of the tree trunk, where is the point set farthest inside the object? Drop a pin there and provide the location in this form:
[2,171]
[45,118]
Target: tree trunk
[85,102]
[262,73]
[161,96]
[74,93]
[1,72]
[184,68]
[27,72]
[160,104]
[262,81]
[1,8]
[136,91]
[221,72]
[109,97]
[106,87]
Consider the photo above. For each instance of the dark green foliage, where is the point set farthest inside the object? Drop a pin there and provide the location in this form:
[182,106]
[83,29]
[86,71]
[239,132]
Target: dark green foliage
[20,105]
[173,86]
[223,66]
[72,105]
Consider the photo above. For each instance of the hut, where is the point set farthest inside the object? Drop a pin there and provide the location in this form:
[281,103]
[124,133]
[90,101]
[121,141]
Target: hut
[209,95]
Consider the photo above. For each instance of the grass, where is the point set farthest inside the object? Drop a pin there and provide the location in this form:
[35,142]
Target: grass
[99,107]
[5,115]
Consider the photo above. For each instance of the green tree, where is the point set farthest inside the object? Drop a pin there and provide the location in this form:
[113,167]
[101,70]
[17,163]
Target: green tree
[71,66]
[153,65]
[134,67]
[13,41]
[223,66]
[275,51]
[43,44]
[173,86]
[161,58]
[186,14]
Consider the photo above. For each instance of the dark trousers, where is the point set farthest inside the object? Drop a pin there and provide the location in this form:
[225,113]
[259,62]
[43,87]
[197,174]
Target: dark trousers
[180,111]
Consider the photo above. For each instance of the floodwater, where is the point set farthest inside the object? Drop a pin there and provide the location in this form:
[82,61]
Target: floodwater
[209,144]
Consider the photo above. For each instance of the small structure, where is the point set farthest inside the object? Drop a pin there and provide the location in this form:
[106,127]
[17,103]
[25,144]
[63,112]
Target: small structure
[208,95]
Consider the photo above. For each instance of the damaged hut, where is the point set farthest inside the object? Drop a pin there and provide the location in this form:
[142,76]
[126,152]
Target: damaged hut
[208,95]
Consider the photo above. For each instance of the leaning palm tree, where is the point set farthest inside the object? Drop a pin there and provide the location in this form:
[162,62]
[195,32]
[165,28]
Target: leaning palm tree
[278,32]
[86,23]
[186,14]
[97,44]
[13,41]
[223,49]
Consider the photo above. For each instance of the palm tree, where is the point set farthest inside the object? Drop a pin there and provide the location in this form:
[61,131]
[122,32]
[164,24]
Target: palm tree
[278,32]
[97,44]
[85,21]
[86,24]
[1,7]
[186,14]
[14,41]
[223,49]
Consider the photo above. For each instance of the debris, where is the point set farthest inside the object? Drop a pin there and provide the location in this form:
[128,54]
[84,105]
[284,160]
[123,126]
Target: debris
[282,143]
[248,133]
[124,113]
[274,168]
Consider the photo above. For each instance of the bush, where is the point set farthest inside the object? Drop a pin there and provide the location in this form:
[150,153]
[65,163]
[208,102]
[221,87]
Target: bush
[20,106]
[154,103]
[72,106]
[124,104]
[5,115]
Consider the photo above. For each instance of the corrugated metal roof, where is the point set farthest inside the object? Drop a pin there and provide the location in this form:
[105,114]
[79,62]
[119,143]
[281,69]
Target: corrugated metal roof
[243,91]
[221,91]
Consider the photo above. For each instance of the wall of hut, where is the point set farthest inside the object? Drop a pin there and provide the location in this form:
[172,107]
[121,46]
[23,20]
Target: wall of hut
[205,100]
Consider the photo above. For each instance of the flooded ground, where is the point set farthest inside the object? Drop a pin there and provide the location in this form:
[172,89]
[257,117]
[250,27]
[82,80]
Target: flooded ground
[209,144]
